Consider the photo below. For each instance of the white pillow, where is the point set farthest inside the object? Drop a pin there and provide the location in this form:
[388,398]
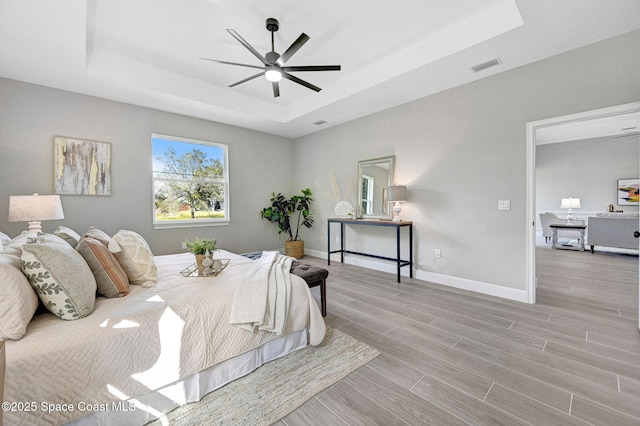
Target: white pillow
[4,239]
[26,238]
[61,277]
[68,234]
[18,301]
[135,257]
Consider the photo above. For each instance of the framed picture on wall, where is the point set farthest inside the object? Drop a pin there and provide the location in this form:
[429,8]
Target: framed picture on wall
[81,167]
[628,192]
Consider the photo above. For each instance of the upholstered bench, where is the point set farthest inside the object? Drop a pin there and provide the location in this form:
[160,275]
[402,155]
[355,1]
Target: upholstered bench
[313,276]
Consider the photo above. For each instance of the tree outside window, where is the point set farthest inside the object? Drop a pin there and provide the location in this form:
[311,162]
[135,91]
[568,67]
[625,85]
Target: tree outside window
[190,182]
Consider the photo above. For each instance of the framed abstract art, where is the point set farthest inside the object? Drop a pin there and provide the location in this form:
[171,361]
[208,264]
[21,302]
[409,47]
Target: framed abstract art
[81,167]
[628,192]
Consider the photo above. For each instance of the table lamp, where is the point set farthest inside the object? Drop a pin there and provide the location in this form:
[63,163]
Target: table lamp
[570,203]
[34,209]
[396,195]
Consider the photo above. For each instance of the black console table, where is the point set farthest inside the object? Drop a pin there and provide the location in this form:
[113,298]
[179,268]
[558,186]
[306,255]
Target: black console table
[369,222]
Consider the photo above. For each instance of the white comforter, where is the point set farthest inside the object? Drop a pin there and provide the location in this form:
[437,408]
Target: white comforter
[139,343]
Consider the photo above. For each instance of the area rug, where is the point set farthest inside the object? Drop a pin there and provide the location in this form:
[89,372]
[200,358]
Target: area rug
[278,387]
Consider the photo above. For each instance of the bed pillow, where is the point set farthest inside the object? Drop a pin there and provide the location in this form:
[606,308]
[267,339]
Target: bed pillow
[68,234]
[99,235]
[4,239]
[61,278]
[111,279]
[26,238]
[18,301]
[135,257]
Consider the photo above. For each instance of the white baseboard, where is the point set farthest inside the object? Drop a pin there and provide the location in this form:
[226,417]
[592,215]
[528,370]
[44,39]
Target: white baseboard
[447,280]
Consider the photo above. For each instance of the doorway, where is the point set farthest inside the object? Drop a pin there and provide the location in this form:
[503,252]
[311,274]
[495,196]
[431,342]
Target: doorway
[587,121]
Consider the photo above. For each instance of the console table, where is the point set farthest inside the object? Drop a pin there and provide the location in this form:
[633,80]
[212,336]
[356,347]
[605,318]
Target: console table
[369,222]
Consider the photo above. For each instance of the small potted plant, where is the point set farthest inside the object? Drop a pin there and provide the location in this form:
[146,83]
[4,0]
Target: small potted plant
[199,247]
[290,215]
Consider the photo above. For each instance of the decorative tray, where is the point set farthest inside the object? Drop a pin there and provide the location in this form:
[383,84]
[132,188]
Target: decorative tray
[192,270]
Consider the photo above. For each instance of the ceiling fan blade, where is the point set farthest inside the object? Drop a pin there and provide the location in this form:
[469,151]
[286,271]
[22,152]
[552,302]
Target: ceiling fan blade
[276,89]
[247,45]
[246,79]
[312,68]
[295,46]
[234,63]
[299,81]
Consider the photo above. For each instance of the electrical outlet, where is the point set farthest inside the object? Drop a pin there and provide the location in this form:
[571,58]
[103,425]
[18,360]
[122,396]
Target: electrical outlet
[184,245]
[438,253]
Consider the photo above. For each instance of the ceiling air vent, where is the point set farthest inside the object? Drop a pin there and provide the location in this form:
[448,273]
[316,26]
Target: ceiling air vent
[319,122]
[483,66]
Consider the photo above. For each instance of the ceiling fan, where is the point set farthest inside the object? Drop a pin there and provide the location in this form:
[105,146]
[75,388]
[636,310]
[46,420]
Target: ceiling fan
[273,67]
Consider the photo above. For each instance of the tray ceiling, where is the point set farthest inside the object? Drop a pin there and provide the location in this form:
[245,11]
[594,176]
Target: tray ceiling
[147,52]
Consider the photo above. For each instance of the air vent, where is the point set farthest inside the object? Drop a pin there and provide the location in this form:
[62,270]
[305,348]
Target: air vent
[319,122]
[483,66]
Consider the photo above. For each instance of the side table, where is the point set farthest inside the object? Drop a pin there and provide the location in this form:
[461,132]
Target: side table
[569,226]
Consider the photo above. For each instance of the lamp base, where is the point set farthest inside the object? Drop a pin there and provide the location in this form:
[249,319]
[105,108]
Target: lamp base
[396,212]
[570,216]
[34,227]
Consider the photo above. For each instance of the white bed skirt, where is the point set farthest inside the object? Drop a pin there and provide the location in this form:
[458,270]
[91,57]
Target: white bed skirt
[143,409]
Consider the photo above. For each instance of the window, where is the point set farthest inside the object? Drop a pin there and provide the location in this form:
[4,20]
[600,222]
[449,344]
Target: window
[366,198]
[190,182]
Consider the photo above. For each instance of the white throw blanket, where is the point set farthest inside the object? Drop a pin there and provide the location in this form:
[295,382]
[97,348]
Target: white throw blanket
[262,300]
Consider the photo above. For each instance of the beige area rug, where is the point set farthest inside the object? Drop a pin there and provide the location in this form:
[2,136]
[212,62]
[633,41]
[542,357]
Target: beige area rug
[278,387]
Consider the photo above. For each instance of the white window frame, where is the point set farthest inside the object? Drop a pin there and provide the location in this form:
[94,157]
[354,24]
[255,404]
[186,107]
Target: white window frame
[369,200]
[192,223]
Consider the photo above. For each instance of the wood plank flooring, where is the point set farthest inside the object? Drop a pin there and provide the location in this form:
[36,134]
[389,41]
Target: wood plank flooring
[451,357]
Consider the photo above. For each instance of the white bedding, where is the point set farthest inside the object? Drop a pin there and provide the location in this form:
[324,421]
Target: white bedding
[136,344]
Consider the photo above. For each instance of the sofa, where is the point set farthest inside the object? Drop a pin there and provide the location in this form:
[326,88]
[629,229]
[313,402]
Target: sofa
[613,230]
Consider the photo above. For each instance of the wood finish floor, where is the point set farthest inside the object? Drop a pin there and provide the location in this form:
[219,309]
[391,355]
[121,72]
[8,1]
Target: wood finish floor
[451,357]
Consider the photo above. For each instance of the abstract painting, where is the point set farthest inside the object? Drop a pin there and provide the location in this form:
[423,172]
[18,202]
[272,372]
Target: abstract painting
[628,192]
[81,167]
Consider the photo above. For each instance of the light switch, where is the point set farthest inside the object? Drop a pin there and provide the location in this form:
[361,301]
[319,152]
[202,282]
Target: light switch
[504,204]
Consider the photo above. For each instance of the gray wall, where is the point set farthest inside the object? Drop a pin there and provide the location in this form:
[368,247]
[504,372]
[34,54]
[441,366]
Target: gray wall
[31,115]
[587,169]
[462,150]
[458,151]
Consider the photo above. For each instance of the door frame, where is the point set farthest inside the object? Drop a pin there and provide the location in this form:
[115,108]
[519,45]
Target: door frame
[530,223]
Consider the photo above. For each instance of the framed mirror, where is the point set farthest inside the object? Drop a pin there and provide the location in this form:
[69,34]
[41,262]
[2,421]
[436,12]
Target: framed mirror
[374,176]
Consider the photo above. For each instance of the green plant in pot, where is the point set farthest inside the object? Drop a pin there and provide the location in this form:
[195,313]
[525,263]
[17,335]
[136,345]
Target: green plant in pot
[290,215]
[199,247]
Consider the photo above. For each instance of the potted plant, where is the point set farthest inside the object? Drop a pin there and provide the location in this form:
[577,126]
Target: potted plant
[290,215]
[199,247]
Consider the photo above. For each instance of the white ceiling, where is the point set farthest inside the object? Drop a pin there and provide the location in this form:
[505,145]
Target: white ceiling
[146,52]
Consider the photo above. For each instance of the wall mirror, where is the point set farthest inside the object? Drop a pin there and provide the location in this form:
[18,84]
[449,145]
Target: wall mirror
[374,176]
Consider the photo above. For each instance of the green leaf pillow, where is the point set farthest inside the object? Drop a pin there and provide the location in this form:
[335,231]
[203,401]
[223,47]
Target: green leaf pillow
[61,278]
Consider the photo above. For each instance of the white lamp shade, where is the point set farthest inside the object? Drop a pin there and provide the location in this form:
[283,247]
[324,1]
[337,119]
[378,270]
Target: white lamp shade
[570,203]
[397,193]
[28,208]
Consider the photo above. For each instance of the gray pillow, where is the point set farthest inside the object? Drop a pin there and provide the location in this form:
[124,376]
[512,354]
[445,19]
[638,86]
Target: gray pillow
[61,277]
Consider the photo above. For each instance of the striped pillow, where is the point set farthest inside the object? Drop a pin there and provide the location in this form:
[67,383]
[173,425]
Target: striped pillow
[111,279]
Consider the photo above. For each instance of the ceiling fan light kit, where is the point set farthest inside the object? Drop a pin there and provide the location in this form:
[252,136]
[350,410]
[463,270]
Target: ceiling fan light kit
[274,63]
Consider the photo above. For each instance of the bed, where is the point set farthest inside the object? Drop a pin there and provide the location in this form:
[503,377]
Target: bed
[137,357]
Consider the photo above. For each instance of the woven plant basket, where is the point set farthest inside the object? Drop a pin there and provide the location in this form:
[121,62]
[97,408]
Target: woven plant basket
[199,259]
[294,248]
